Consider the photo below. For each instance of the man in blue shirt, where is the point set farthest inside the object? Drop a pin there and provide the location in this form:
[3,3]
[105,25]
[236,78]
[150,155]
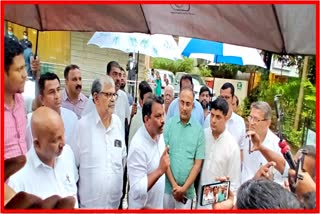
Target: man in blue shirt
[197,111]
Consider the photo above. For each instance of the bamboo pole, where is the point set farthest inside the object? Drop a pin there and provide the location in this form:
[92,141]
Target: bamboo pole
[301,93]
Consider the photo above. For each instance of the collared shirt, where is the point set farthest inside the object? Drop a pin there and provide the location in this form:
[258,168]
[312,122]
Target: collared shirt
[186,145]
[253,161]
[136,123]
[44,181]
[100,154]
[197,111]
[122,108]
[76,108]
[235,125]
[143,158]
[69,119]
[222,159]
[15,128]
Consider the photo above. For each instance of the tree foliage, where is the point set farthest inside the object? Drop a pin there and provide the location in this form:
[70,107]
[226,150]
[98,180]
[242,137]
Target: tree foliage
[289,98]
[181,65]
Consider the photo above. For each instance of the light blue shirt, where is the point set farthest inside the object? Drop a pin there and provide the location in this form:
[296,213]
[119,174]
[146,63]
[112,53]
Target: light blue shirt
[197,112]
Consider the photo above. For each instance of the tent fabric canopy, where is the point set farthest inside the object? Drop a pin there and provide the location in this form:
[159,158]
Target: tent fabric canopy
[279,28]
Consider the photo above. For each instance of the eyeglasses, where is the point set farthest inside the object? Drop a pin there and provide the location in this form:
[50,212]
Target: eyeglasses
[109,95]
[255,120]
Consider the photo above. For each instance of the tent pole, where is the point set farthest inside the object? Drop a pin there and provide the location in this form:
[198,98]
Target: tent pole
[137,72]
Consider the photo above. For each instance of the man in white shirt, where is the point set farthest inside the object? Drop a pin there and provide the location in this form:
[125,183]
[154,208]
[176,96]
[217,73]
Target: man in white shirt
[136,120]
[99,149]
[148,159]
[50,96]
[50,168]
[122,108]
[222,155]
[266,149]
[235,124]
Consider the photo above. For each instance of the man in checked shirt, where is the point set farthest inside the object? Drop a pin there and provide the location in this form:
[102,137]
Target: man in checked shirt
[15,76]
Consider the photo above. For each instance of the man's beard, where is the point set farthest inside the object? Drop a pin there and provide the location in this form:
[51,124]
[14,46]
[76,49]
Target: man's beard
[204,104]
[122,86]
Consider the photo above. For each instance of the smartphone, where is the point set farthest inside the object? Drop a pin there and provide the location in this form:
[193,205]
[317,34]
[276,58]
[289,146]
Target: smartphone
[184,200]
[299,166]
[214,192]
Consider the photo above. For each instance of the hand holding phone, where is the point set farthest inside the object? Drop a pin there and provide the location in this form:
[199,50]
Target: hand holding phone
[214,192]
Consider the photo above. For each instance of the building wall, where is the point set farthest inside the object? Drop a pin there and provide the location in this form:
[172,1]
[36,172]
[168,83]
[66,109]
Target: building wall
[93,60]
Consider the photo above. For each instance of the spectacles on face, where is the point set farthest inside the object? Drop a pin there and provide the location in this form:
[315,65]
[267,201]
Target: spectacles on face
[109,95]
[254,119]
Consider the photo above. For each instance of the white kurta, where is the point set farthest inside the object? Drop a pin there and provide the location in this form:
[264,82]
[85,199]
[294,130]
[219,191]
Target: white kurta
[252,162]
[235,125]
[69,119]
[44,181]
[222,159]
[143,158]
[100,154]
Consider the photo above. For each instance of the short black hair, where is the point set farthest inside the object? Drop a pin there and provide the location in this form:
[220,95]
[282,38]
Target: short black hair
[144,88]
[147,106]
[265,194]
[221,105]
[204,89]
[45,77]
[68,68]
[228,85]
[130,54]
[186,77]
[12,49]
[112,64]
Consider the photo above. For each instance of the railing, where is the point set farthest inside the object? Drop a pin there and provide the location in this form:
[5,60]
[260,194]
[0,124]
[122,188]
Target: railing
[86,82]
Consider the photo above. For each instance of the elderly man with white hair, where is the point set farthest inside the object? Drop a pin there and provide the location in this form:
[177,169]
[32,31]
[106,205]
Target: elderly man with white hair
[100,149]
[168,97]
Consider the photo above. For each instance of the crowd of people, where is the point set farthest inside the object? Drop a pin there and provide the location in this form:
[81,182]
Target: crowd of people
[159,150]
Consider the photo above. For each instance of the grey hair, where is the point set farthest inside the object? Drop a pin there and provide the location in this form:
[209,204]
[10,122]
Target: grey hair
[100,82]
[264,107]
[170,87]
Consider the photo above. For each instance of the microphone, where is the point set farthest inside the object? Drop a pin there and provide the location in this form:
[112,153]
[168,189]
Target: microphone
[285,150]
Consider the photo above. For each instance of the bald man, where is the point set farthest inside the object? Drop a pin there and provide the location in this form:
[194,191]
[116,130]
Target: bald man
[50,168]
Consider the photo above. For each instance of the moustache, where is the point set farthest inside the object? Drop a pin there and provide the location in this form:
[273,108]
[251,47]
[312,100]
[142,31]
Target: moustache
[79,87]
[204,104]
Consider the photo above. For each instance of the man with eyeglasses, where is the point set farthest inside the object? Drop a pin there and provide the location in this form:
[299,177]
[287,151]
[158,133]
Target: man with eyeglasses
[100,150]
[50,96]
[122,108]
[265,149]
[235,123]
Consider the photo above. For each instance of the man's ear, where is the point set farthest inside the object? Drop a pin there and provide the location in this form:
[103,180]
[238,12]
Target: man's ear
[41,99]
[36,143]
[145,118]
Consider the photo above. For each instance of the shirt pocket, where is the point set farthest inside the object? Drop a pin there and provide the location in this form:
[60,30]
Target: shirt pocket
[116,159]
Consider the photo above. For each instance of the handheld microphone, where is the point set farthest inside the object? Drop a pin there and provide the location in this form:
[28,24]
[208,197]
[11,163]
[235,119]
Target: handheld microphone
[285,150]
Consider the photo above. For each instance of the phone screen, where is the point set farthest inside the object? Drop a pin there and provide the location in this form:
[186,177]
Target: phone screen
[214,192]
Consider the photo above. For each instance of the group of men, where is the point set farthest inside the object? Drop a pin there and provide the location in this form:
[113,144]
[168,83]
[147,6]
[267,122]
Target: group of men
[87,147]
